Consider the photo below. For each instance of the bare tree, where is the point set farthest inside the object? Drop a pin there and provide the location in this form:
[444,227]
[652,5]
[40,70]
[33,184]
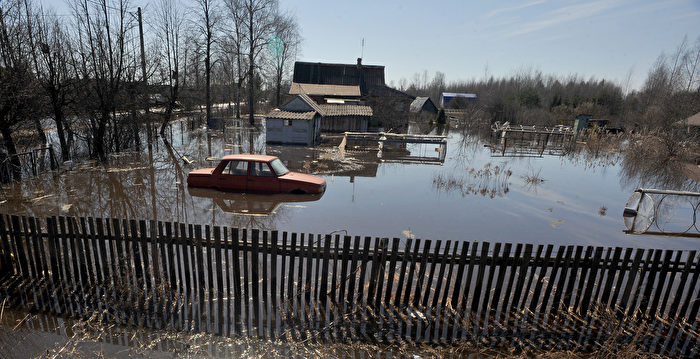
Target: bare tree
[50,48]
[259,21]
[17,92]
[283,45]
[208,20]
[235,39]
[170,20]
[102,27]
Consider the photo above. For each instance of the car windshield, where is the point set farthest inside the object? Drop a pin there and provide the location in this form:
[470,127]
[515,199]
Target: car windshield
[279,167]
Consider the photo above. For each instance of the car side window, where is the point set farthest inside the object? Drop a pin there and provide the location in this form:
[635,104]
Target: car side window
[237,168]
[260,169]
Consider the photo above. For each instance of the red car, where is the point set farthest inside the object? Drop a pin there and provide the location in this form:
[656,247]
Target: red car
[255,173]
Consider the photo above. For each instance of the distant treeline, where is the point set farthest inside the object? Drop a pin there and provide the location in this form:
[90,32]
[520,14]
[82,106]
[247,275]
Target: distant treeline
[670,93]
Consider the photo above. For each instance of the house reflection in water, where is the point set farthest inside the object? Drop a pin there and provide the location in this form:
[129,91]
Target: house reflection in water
[249,203]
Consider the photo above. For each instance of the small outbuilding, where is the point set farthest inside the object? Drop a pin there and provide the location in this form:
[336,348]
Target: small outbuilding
[296,122]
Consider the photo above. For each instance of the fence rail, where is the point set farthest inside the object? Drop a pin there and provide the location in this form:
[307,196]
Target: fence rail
[300,286]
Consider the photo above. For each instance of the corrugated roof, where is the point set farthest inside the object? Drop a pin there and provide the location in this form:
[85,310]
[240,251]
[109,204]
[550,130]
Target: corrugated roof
[324,90]
[346,110]
[288,115]
[418,103]
[692,121]
[311,103]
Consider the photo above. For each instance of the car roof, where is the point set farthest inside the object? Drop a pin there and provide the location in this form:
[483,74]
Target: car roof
[249,157]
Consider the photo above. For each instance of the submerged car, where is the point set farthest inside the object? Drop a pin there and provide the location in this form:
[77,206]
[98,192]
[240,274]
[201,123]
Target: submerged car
[255,174]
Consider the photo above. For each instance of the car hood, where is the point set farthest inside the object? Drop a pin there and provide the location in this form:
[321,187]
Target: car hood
[202,171]
[302,177]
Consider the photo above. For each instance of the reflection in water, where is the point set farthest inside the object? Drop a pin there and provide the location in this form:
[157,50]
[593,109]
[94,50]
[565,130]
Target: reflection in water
[490,181]
[248,203]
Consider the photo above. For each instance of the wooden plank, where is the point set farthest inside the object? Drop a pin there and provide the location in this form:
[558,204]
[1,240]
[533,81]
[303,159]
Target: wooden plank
[458,287]
[291,292]
[650,282]
[345,258]
[502,265]
[323,295]
[610,276]
[586,302]
[620,277]
[352,278]
[565,264]
[391,273]
[52,242]
[381,272]
[374,273]
[689,297]
[539,262]
[219,280]
[451,266]
[663,270]
[484,310]
[522,275]
[625,304]
[198,325]
[481,271]
[402,273]
[209,287]
[443,262]
[254,277]
[363,272]
[687,270]
[227,279]
[265,302]
[334,274]
[273,283]
[411,270]
[418,292]
[284,272]
[26,244]
[586,267]
[88,253]
[569,294]
[237,290]
[674,271]
[431,274]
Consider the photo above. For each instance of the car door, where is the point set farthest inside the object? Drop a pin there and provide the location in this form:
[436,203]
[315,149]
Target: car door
[261,178]
[234,176]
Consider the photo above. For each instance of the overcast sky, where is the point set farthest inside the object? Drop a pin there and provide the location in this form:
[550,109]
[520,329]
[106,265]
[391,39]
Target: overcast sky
[604,39]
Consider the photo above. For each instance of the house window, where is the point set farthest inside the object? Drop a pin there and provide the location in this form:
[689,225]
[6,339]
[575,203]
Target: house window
[287,122]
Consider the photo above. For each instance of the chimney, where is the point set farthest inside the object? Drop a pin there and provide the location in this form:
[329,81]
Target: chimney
[359,61]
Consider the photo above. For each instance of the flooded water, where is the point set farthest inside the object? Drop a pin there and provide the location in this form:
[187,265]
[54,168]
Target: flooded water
[473,194]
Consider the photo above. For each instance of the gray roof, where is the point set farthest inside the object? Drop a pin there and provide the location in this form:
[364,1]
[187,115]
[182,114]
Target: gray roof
[324,90]
[288,115]
[418,103]
[346,110]
[692,121]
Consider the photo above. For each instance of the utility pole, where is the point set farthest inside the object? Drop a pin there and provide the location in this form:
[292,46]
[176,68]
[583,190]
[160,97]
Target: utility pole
[144,81]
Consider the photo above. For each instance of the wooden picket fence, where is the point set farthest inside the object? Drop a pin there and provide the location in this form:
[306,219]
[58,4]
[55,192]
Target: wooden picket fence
[297,286]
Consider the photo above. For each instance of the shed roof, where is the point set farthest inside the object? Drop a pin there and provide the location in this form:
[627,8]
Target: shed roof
[324,89]
[289,115]
[346,110]
[692,121]
[418,103]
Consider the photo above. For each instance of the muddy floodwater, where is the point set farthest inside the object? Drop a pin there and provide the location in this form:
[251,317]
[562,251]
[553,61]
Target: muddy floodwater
[470,192]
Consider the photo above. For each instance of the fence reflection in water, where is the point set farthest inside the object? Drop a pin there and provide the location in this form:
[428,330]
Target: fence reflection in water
[329,288]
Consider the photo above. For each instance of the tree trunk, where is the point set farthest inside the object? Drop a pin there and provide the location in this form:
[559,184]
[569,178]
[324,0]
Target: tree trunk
[12,152]
[40,130]
[239,88]
[251,89]
[60,131]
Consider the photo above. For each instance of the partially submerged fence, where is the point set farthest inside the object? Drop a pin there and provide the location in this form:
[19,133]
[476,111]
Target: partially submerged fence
[313,287]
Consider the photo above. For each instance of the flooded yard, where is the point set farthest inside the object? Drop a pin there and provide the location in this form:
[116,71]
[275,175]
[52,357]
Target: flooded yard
[476,193]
